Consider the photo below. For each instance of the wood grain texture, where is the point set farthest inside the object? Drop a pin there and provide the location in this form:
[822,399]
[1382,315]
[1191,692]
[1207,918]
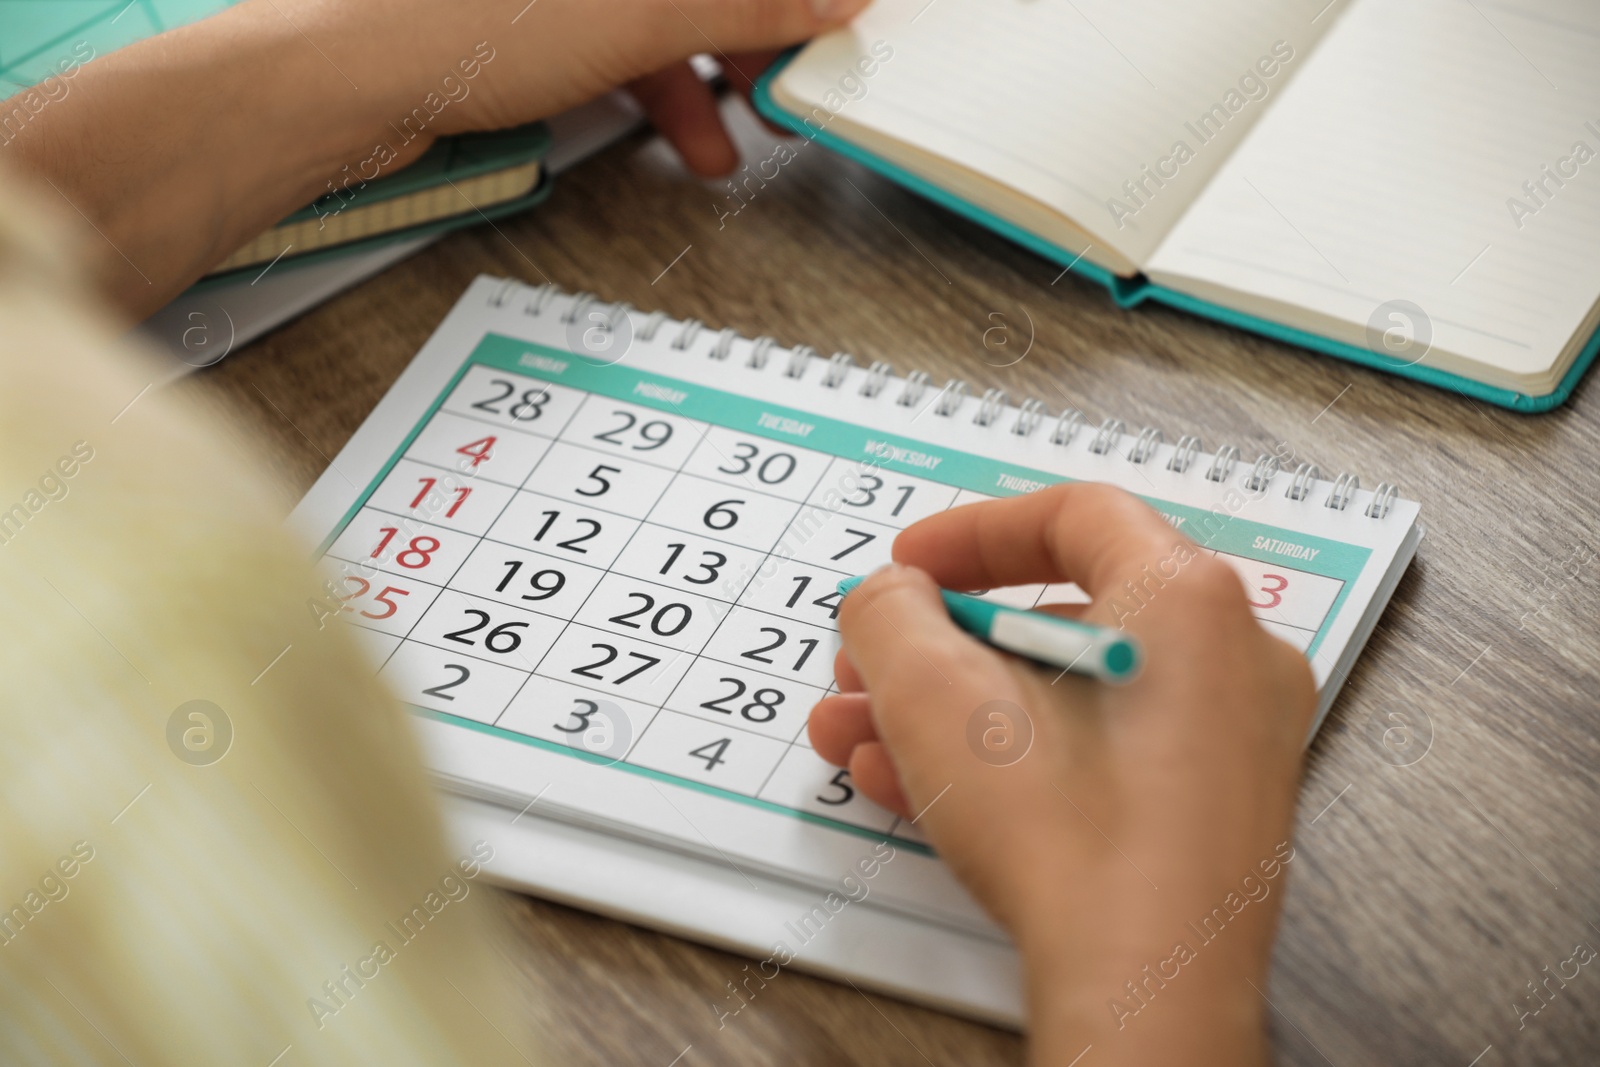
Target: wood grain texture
[1424,898]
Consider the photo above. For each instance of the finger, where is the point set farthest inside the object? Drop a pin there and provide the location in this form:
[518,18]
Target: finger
[1064,611]
[899,637]
[684,111]
[838,724]
[743,69]
[742,72]
[1081,532]
[845,674]
[923,675]
[873,772]
[728,27]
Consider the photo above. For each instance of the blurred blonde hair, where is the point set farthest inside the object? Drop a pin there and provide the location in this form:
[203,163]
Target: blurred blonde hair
[157,904]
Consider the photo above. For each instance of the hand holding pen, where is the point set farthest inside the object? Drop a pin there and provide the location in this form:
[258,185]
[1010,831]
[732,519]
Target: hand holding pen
[1159,795]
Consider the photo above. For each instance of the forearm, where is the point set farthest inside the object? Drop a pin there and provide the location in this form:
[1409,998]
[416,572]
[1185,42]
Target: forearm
[179,149]
[1137,1005]
[1185,1031]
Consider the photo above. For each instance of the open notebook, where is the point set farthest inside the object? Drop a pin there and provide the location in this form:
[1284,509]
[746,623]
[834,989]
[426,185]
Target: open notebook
[1415,186]
[595,551]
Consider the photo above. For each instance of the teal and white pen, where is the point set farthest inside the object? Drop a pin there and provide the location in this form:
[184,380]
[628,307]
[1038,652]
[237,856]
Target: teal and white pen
[1079,647]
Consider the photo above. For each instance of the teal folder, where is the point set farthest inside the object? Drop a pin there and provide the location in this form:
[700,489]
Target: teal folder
[1131,292]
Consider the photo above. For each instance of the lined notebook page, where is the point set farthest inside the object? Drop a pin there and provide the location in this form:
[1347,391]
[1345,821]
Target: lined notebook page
[1065,100]
[1389,168]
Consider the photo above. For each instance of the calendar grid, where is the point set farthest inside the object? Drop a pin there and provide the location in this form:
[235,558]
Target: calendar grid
[772,570]
[566,623]
[732,597]
[609,570]
[700,653]
[446,584]
[746,607]
[705,440]
[536,672]
[652,517]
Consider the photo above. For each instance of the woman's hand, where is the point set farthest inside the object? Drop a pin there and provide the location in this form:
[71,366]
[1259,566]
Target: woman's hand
[180,148]
[1096,822]
[560,53]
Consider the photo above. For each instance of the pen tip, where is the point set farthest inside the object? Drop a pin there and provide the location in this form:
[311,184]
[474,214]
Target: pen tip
[847,584]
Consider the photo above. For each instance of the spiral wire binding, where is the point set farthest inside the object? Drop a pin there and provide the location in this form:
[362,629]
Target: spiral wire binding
[1222,463]
[1382,500]
[691,330]
[724,345]
[760,350]
[1029,412]
[507,287]
[579,305]
[541,299]
[952,396]
[1145,447]
[839,365]
[1305,479]
[1262,473]
[990,407]
[799,359]
[1183,454]
[916,384]
[1343,490]
[1106,438]
[652,325]
[1066,427]
[877,377]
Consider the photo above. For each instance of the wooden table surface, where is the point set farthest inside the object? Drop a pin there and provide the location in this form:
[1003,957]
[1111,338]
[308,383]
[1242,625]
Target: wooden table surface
[1425,897]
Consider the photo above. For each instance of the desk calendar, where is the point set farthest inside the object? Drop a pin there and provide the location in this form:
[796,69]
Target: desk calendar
[596,551]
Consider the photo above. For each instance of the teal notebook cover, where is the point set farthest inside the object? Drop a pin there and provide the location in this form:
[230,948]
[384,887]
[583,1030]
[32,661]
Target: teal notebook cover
[454,159]
[378,240]
[1131,292]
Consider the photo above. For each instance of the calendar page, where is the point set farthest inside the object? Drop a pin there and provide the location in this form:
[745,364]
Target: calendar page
[610,583]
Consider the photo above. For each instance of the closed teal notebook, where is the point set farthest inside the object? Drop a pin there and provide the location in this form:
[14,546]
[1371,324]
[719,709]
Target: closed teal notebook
[450,159]
[1130,292]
